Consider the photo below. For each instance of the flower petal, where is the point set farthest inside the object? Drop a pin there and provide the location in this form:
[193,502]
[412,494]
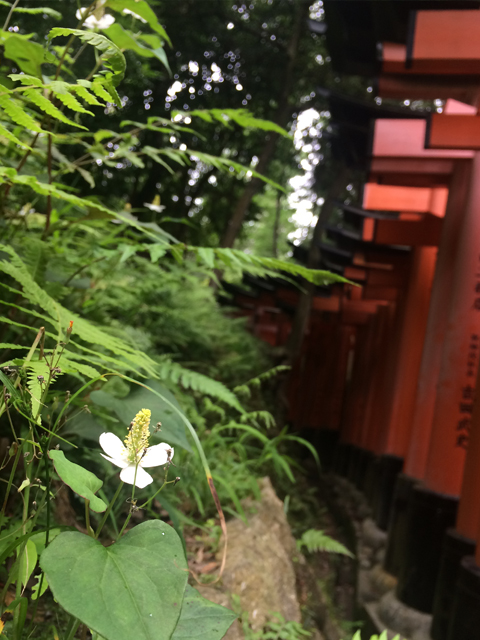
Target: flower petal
[141,480]
[112,445]
[119,462]
[157,455]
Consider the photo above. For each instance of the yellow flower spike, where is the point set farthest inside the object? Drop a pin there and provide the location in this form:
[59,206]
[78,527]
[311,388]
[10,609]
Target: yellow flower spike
[136,441]
[134,455]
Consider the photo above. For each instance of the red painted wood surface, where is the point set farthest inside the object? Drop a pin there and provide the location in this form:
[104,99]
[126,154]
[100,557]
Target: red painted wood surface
[405,139]
[453,131]
[401,87]
[416,459]
[453,407]
[468,516]
[425,232]
[411,340]
[446,41]
[394,198]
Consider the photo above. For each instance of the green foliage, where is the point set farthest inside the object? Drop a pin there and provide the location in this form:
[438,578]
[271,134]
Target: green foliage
[122,316]
[112,57]
[314,540]
[382,636]
[133,588]
[83,482]
[277,628]
[201,619]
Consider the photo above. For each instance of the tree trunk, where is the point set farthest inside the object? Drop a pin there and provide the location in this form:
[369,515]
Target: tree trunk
[281,118]
[302,312]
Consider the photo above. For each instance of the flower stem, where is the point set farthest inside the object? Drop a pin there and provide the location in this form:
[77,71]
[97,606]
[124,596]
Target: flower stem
[87,519]
[109,508]
[132,505]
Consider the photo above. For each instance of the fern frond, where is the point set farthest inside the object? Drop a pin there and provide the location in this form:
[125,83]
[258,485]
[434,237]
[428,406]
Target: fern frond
[112,57]
[256,416]
[72,103]
[34,11]
[241,117]
[39,100]
[36,370]
[316,540]
[8,345]
[25,78]
[126,356]
[99,90]
[71,366]
[18,114]
[34,256]
[242,262]
[9,135]
[198,382]
[86,95]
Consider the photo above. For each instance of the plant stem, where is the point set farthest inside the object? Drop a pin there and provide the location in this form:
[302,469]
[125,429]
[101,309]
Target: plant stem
[10,480]
[23,548]
[12,9]
[109,508]
[72,628]
[87,518]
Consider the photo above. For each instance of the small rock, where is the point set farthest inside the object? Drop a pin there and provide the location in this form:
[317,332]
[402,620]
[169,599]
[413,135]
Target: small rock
[372,536]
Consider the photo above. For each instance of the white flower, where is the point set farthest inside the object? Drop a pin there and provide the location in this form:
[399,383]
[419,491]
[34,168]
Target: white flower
[133,456]
[96,22]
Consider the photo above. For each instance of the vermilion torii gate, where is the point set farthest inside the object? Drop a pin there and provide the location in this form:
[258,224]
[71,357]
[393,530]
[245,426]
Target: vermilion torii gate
[389,368]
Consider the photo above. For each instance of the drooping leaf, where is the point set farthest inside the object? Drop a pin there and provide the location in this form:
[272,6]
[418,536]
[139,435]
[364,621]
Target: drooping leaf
[28,562]
[126,42]
[112,57]
[80,480]
[28,55]
[201,619]
[131,589]
[141,9]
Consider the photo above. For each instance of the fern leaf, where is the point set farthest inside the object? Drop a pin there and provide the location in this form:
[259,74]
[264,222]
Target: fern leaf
[198,382]
[86,95]
[9,135]
[34,256]
[72,103]
[38,99]
[36,371]
[241,117]
[99,90]
[152,153]
[36,10]
[18,114]
[112,57]
[70,366]
[7,345]
[316,540]
[24,78]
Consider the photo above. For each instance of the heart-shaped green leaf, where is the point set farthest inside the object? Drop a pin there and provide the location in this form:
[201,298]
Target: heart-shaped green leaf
[83,482]
[132,589]
[202,619]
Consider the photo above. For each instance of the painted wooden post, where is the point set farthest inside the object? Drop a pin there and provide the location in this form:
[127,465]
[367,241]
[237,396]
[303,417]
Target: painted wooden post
[433,505]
